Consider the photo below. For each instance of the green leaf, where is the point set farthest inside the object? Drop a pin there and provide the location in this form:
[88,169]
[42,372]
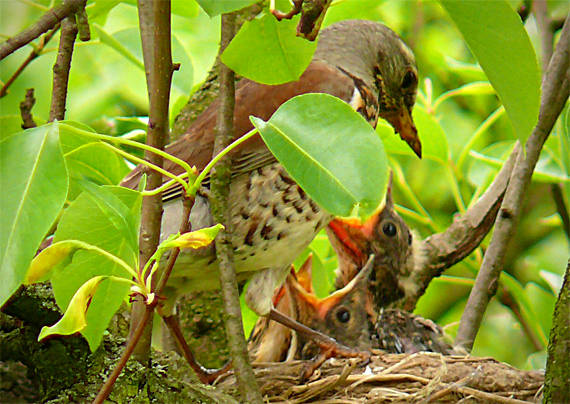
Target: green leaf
[496,36]
[475,88]
[114,43]
[216,7]
[330,151]
[108,218]
[430,132]
[268,51]
[548,169]
[60,254]
[34,185]
[87,158]
[73,319]
[543,307]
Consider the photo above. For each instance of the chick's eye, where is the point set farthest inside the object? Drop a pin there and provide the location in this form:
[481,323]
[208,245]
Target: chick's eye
[409,79]
[343,315]
[389,229]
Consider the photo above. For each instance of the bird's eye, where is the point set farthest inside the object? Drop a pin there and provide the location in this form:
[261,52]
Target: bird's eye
[409,80]
[389,229]
[343,315]
[409,238]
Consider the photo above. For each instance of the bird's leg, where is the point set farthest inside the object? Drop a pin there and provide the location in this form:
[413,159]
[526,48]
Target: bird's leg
[206,376]
[328,346]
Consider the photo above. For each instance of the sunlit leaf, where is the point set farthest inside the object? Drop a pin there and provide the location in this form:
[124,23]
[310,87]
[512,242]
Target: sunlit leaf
[60,254]
[194,239]
[216,7]
[341,165]
[74,318]
[553,280]
[113,227]
[496,36]
[33,187]
[268,51]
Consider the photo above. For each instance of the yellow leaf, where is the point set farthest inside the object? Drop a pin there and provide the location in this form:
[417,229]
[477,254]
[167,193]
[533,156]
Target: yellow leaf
[194,239]
[73,319]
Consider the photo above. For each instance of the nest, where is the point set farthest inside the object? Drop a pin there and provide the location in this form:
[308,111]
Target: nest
[396,378]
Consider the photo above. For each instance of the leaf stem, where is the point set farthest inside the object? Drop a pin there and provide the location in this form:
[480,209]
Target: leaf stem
[459,203]
[113,139]
[217,158]
[166,173]
[480,130]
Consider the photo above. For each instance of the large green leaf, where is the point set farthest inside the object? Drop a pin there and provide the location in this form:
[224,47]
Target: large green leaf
[268,51]
[108,218]
[33,187]
[215,7]
[87,158]
[496,36]
[330,150]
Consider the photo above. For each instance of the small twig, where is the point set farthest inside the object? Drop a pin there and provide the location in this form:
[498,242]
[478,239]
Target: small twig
[108,386]
[488,397]
[555,91]
[220,182]
[328,386]
[26,110]
[44,24]
[561,207]
[33,54]
[83,26]
[61,69]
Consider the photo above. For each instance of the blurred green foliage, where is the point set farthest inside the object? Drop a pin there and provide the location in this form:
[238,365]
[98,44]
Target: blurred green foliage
[107,92]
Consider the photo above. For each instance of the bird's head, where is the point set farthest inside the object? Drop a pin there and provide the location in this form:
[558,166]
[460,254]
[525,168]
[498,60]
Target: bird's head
[380,64]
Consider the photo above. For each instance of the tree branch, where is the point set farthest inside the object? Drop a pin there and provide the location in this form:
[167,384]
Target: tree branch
[555,91]
[219,205]
[61,69]
[33,54]
[26,110]
[154,21]
[48,21]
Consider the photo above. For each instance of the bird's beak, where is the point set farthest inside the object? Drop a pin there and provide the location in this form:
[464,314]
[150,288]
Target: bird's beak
[404,125]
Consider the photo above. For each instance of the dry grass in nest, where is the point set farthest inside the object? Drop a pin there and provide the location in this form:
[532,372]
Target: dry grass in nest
[397,378]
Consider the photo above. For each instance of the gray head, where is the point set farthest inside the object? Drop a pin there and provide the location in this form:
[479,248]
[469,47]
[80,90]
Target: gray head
[376,55]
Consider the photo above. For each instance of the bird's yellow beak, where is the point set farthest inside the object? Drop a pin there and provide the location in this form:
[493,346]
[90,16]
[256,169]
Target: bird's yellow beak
[404,125]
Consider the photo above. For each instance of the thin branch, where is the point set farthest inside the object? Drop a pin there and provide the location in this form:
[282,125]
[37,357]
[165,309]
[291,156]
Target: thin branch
[108,386]
[48,21]
[561,207]
[219,205]
[546,35]
[154,22]
[26,110]
[555,91]
[61,69]
[33,54]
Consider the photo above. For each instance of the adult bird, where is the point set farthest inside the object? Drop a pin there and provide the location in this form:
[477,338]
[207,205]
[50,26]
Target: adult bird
[272,219]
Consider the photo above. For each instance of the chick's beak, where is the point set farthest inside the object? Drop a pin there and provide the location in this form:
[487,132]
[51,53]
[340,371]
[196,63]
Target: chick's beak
[404,125]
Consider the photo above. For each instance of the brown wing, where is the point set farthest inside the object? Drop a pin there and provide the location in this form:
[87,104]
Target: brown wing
[251,99]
